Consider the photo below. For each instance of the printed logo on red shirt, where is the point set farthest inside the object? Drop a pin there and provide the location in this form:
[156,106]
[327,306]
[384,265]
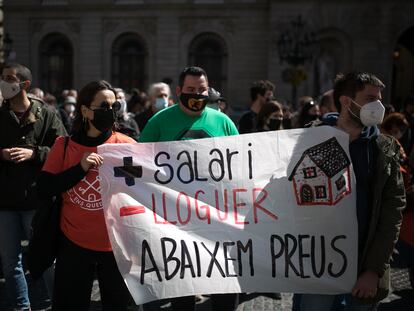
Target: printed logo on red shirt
[86,193]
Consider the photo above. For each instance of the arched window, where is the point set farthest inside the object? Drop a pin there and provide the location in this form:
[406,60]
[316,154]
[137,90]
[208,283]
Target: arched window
[209,51]
[56,63]
[129,62]
[327,64]
[332,56]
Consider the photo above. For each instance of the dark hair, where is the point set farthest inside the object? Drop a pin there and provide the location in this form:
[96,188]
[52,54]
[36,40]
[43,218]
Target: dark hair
[191,71]
[86,97]
[394,119]
[260,87]
[304,112]
[325,99]
[267,109]
[409,101]
[22,72]
[50,99]
[137,99]
[351,83]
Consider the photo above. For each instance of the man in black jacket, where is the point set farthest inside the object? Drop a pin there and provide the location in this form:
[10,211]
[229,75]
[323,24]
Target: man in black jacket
[28,128]
[260,92]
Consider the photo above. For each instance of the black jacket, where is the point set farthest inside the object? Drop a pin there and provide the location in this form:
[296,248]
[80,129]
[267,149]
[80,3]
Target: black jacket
[38,131]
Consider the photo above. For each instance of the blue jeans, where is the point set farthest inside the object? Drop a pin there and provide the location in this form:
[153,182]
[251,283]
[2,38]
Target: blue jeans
[314,302]
[15,226]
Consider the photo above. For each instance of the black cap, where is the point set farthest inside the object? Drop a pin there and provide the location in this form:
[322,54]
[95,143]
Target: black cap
[214,96]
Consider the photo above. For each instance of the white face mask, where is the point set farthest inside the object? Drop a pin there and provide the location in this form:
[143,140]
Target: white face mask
[69,108]
[161,103]
[9,90]
[371,113]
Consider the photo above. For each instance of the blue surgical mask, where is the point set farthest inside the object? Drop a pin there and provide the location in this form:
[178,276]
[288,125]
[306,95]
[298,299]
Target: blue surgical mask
[161,103]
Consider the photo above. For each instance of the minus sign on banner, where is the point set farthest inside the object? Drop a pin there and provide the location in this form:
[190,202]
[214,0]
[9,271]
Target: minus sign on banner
[131,210]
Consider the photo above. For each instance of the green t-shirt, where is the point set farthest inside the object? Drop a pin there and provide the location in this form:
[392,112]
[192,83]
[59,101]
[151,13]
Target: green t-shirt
[173,124]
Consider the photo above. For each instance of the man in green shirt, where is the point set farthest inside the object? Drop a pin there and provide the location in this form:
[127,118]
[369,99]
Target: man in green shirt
[191,119]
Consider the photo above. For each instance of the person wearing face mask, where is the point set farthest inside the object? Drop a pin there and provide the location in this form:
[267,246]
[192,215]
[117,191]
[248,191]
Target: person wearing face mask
[270,117]
[67,112]
[126,123]
[380,196]
[190,119]
[158,94]
[71,171]
[28,128]
[310,112]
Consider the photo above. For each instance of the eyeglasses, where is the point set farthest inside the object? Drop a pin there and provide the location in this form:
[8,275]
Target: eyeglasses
[116,106]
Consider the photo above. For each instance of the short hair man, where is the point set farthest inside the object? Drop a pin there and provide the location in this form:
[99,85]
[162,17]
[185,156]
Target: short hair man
[191,119]
[28,128]
[158,94]
[379,189]
[260,92]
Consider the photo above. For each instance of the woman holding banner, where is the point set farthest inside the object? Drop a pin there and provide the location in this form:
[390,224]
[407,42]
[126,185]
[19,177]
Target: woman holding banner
[71,171]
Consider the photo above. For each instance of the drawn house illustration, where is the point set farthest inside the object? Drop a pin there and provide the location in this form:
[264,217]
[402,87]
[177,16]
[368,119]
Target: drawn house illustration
[322,175]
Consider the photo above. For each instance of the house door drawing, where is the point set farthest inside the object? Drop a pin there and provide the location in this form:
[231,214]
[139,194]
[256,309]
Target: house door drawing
[306,194]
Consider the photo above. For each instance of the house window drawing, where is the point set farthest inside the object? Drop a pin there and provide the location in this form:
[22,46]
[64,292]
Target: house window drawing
[322,174]
[320,192]
[306,193]
[309,172]
[340,183]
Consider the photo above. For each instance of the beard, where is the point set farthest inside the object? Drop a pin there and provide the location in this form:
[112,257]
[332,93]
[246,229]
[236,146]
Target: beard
[354,116]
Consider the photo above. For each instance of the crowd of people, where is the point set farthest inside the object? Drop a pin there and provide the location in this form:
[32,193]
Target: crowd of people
[48,148]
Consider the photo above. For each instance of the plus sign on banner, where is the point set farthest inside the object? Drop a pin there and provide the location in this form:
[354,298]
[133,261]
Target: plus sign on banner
[263,212]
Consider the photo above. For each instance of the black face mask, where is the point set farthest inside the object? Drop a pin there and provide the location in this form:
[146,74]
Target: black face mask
[103,119]
[309,118]
[274,124]
[193,102]
[287,123]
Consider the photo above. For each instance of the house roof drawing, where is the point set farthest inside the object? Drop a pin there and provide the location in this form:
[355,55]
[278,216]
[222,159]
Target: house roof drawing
[329,156]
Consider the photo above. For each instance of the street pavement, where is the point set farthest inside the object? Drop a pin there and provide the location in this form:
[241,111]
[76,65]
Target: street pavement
[401,298]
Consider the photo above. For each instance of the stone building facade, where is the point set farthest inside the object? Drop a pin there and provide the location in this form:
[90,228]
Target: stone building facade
[133,43]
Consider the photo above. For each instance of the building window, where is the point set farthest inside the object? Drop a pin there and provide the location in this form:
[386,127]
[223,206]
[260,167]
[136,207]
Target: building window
[209,51]
[129,62]
[56,63]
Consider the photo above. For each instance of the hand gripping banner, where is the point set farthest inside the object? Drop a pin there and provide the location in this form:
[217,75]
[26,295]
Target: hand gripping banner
[263,212]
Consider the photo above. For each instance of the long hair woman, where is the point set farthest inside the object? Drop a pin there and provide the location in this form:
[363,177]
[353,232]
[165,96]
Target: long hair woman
[71,171]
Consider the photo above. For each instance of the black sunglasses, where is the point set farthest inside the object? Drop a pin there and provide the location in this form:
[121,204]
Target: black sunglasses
[116,106]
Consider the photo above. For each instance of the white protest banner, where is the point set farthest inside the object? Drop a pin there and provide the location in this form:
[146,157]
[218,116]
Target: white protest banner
[264,212]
